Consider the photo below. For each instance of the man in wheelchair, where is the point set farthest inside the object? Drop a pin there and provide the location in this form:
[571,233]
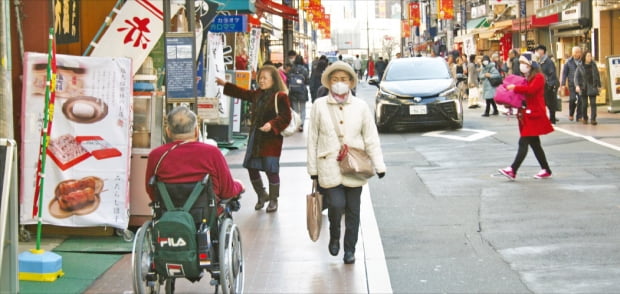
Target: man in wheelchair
[191,176]
[185,161]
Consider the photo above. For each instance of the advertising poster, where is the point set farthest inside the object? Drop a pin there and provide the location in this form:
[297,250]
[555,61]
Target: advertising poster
[87,159]
[613,65]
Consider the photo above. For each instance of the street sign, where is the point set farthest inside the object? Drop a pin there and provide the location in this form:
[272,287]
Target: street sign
[229,24]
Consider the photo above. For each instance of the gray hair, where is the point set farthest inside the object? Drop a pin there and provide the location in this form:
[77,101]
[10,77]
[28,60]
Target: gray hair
[576,49]
[181,120]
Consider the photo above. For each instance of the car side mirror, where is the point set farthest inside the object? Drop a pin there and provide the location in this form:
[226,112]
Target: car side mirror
[374,82]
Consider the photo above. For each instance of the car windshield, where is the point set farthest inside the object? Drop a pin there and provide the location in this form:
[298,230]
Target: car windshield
[422,69]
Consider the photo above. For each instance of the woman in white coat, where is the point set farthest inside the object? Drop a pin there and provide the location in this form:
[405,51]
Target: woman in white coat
[355,122]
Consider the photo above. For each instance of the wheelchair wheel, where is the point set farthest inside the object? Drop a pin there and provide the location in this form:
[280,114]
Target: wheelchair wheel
[231,258]
[141,260]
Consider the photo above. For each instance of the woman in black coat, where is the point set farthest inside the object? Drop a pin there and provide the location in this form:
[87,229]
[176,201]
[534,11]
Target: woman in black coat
[588,85]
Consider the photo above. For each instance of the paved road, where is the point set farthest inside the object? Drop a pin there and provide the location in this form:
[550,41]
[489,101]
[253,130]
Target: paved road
[449,225]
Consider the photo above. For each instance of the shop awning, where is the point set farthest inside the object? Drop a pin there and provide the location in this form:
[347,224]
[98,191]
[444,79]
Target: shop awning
[502,25]
[277,9]
[477,23]
[567,24]
[486,35]
[533,21]
[570,33]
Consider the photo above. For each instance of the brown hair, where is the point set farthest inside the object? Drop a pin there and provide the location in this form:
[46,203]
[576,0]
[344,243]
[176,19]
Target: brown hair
[278,83]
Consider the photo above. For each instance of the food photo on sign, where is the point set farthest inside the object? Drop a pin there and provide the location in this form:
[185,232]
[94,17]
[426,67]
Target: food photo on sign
[87,174]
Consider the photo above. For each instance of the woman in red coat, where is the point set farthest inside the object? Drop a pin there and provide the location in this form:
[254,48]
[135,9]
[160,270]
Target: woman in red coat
[533,120]
[265,142]
[370,68]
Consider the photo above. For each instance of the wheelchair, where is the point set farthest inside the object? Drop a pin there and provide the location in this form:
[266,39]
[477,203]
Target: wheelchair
[225,262]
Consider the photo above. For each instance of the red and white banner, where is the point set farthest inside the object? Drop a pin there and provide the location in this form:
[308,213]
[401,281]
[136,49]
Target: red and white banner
[414,14]
[133,33]
[446,9]
[87,160]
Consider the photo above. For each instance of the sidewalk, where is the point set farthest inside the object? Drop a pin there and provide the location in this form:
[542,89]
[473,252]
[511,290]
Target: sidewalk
[279,256]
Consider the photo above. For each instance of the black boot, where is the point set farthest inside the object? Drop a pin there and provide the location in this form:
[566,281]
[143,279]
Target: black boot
[261,193]
[274,193]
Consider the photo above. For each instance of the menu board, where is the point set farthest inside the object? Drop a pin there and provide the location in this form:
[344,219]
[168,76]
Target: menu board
[179,67]
[87,159]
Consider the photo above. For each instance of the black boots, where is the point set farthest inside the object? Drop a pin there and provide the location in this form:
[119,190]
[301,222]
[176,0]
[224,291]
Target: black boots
[274,193]
[261,193]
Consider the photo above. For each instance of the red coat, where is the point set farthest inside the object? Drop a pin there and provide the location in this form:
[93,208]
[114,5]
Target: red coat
[270,143]
[371,68]
[533,120]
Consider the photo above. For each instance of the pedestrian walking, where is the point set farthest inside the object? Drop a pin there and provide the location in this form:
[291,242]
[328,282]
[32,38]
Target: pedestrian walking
[357,66]
[547,67]
[488,71]
[380,66]
[298,80]
[568,80]
[473,71]
[370,72]
[315,76]
[264,145]
[588,86]
[512,66]
[341,109]
[532,118]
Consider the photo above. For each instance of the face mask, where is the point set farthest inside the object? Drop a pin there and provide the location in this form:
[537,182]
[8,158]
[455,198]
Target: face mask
[524,68]
[485,63]
[340,88]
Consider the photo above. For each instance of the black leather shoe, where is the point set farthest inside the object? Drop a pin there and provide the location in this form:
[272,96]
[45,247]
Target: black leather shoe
[349,258]
[334,246]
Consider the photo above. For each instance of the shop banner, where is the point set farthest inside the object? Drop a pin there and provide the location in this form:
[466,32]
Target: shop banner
[214,107]
[133,33]
[87,160]
[254,45]
[414,14]
[446,9]
[469,45]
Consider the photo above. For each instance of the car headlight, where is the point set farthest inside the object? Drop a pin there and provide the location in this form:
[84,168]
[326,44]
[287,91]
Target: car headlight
[386,95]
[448,94]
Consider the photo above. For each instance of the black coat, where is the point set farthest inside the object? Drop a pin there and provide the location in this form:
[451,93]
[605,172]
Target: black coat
[548,69]
[588,87]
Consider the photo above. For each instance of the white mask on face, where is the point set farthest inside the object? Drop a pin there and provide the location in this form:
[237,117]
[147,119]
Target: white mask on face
[524,68]
[340,88]
[485,63]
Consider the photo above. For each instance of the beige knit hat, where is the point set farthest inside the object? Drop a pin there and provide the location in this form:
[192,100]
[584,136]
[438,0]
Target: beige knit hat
[336,66]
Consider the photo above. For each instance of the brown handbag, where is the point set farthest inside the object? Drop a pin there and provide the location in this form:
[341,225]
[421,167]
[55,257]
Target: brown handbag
[314,206]
[352,161]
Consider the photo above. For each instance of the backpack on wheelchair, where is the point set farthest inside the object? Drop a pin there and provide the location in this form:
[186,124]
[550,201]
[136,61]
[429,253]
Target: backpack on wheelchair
[186,239]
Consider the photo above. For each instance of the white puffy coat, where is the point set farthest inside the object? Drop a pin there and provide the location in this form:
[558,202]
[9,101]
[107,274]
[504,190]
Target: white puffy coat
[359,131]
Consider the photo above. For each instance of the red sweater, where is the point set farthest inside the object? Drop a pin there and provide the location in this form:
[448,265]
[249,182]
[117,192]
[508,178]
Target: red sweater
[190,162]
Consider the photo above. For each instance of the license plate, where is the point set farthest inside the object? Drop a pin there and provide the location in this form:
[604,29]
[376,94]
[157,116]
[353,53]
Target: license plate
[417,109]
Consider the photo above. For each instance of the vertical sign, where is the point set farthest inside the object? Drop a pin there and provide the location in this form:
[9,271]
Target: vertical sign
[254,46]
[179,67]
[414,14]
[522,9]
[446,9]
[67,21]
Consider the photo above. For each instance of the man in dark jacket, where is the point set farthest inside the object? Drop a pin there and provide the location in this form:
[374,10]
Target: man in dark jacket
[380,66]
[551,80]
[568,79]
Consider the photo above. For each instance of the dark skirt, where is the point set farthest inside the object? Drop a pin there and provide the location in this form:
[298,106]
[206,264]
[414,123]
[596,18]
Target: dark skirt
[270,164]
